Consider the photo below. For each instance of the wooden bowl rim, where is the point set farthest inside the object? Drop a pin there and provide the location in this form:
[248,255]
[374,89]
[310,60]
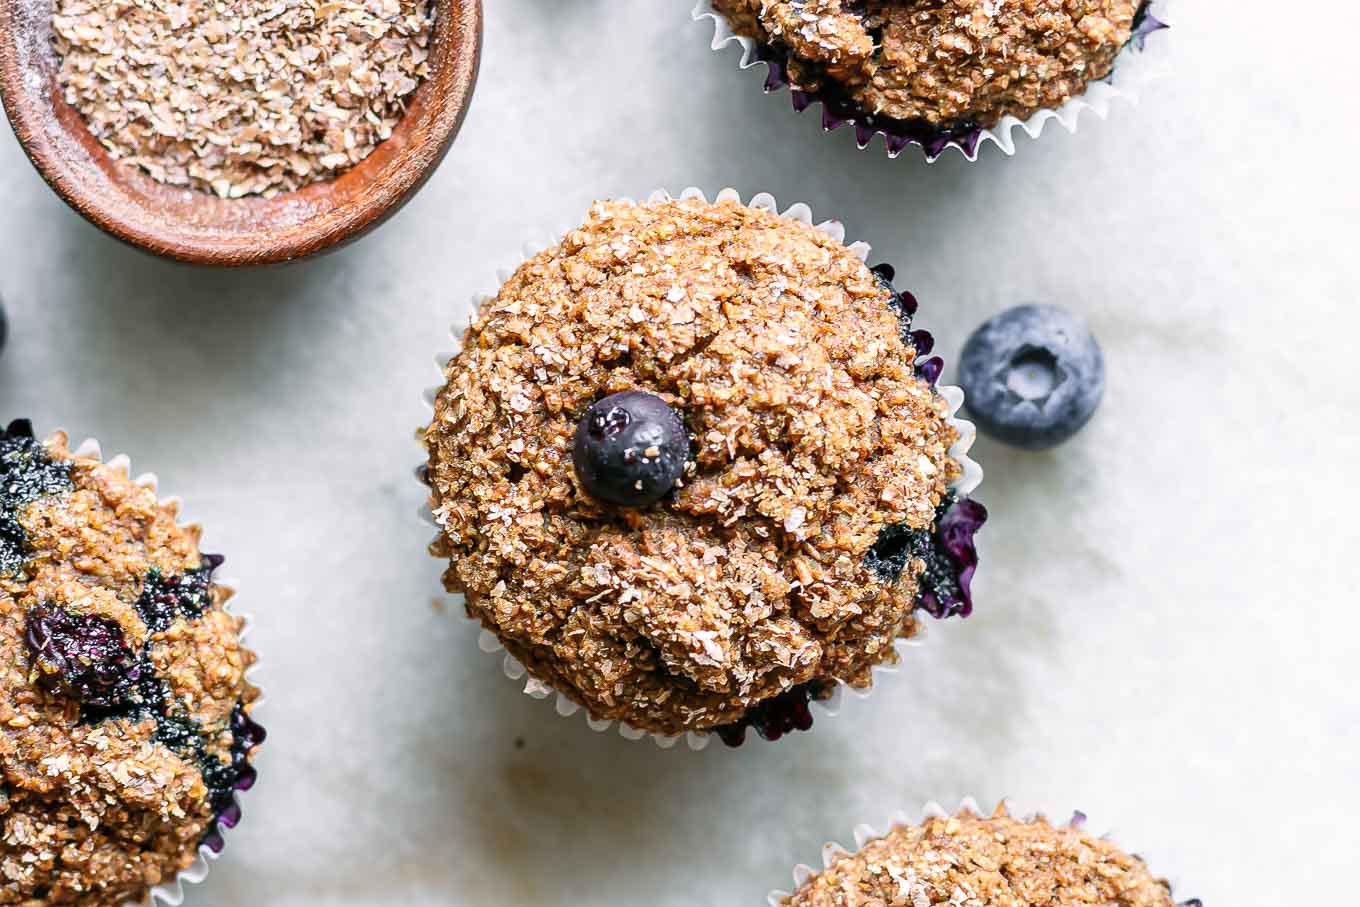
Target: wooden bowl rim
[372,194]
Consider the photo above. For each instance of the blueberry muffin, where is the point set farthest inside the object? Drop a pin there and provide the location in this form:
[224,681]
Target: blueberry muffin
[125,713]
[972,861]
[941,71]
[691,468]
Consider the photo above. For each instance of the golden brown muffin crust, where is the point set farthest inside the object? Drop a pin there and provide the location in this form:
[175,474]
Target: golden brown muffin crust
[944,62]
[810,433]
[970,861]
[94,810]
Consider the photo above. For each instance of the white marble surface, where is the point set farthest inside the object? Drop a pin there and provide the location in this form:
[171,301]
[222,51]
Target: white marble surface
[1167,625]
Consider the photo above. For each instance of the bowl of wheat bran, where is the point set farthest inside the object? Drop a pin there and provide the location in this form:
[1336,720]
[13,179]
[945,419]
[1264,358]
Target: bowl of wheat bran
[251,133]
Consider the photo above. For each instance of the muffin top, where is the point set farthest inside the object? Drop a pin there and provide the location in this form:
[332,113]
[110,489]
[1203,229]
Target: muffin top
[124,724]
[811,437]
[971,861]
[952,64]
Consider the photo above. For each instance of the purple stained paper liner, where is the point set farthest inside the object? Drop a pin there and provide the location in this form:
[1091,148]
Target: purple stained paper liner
[947,546]
[954,534]
[247,736]
[839,110]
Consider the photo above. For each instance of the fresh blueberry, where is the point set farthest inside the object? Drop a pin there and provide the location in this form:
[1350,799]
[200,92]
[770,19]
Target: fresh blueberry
[1032,376]
[4,326]
[82,657]
[630,449]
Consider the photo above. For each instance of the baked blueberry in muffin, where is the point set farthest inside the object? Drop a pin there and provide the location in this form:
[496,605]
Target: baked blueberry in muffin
[691,468]
[125,722]
[939,72]
[970,860]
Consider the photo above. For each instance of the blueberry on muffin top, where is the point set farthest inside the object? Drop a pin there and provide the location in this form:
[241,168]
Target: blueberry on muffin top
[124,708]
[810,434]
[630,449]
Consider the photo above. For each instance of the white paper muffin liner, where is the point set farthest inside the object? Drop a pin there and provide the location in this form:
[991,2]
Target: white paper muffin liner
[511,666]
[863,834]
[1137,68]
[172,893]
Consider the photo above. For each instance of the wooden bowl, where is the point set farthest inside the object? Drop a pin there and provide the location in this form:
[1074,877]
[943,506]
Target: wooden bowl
[193,226]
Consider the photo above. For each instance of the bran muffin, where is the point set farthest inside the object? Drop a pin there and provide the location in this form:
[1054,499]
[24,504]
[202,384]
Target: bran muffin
[968,860]
[125,712]
[937,71]
[811,522]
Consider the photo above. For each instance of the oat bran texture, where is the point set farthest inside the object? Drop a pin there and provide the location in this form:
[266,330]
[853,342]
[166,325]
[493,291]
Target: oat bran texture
[948,63]
[124,708]
[248,97]
[972,861]
[810,432]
